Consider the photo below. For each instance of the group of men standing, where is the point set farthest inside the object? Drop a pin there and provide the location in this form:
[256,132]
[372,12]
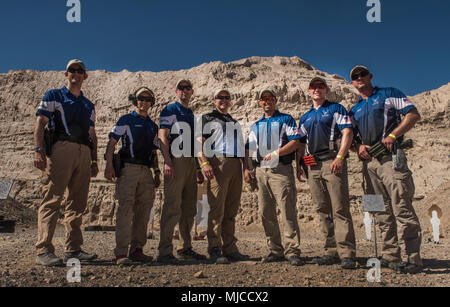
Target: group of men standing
[321,141]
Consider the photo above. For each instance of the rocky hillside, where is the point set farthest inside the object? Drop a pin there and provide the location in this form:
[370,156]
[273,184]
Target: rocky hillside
[22,91]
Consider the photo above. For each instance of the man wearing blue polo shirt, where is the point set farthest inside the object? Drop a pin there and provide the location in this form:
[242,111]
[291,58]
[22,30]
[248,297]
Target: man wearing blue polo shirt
[377,117]
[272,143]
[136,185]
[181,174]
[321,127]
[72,162]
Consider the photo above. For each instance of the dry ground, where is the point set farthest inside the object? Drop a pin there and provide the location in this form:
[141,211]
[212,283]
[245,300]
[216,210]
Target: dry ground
[17,266]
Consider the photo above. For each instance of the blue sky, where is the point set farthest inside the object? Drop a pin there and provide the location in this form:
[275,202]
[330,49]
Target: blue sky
[409,49]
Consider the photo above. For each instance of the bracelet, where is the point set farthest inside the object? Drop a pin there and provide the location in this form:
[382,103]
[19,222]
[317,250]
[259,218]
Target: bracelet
[276,154]
[156,170]
[392,136]
[340,157]
[94,162]
[206,163]
[38,149]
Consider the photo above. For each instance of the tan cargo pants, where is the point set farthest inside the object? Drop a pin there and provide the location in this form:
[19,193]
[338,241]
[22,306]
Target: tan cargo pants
[399,221]
[180,205]
[136,193]
[224,198]
[331,197]
[277,186]
[68,167]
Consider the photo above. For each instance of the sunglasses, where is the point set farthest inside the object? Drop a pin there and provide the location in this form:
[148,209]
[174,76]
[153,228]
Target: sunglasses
[268,98]
[184,87]
[361,74]
[317,86]
[80,71]
[146,99]
[223,97]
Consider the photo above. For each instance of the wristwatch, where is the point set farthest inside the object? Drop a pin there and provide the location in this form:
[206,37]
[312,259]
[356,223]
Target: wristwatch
[38,149]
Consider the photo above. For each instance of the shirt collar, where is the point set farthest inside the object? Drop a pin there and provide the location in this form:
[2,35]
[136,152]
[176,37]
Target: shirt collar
[374,92]
[276,114]
[325,104]
[67,92]
[182,107]
[135,114]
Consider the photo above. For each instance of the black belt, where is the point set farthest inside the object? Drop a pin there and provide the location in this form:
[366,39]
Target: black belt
[73,139]
[136,161]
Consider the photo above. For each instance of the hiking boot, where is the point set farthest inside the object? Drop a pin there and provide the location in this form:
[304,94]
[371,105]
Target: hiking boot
[395,266]
[216,256]
[272,258]
[325,260]
[48,259]
[168,259]
[411,268]
[348,263]
[80,255]
[295,261]
[139,256]
[123,261]
[189,254]
[237,256]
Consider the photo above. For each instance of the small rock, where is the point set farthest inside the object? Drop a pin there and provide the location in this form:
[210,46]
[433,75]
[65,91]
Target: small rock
[199,275]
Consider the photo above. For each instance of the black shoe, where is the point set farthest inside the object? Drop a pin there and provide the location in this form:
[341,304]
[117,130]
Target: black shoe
[348,263]
[237,256]
[412,268]
[295,261]
[189,254]
[80,255]
[395,266]
[325,260]
[216,256]
[168,259]
[48,259]
[272,258]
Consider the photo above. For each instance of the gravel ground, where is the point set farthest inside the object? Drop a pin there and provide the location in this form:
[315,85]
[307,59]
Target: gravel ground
[17,268]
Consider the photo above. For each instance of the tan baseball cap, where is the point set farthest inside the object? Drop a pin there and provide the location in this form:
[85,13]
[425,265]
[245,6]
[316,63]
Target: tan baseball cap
[77,62]
[184,80]
[145,90]
[358,67]
[267,89]
[221,90]
[318,79]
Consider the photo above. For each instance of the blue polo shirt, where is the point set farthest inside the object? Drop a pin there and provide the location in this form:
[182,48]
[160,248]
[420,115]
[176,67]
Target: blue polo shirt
[374,118]
[139,136]
[177,116]
[269,134]
[71,115]
[320,127]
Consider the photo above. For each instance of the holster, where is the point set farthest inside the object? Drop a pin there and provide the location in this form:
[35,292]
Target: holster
[49,140]
[117,165]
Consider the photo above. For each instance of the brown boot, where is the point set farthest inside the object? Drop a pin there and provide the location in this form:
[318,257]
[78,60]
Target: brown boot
[139,256]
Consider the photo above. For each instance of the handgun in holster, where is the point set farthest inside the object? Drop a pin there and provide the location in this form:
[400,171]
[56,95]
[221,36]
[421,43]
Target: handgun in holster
[49,137]
[377,150]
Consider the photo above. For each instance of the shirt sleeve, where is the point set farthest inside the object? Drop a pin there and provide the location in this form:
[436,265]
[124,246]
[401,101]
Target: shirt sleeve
[302,131]
[167,119]
[120,129]
[47,105]
[398,101]
[342,118]
[292,132]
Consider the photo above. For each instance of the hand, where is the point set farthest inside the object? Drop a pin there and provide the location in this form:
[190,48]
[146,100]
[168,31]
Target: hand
[300,174]
[362,152]
[269,156]
[336,166]
[109,172]
[169,170]
[200,178]
[157,179]
[208,171]
[389,143]
[94,170]
[249,176]
[40,160]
